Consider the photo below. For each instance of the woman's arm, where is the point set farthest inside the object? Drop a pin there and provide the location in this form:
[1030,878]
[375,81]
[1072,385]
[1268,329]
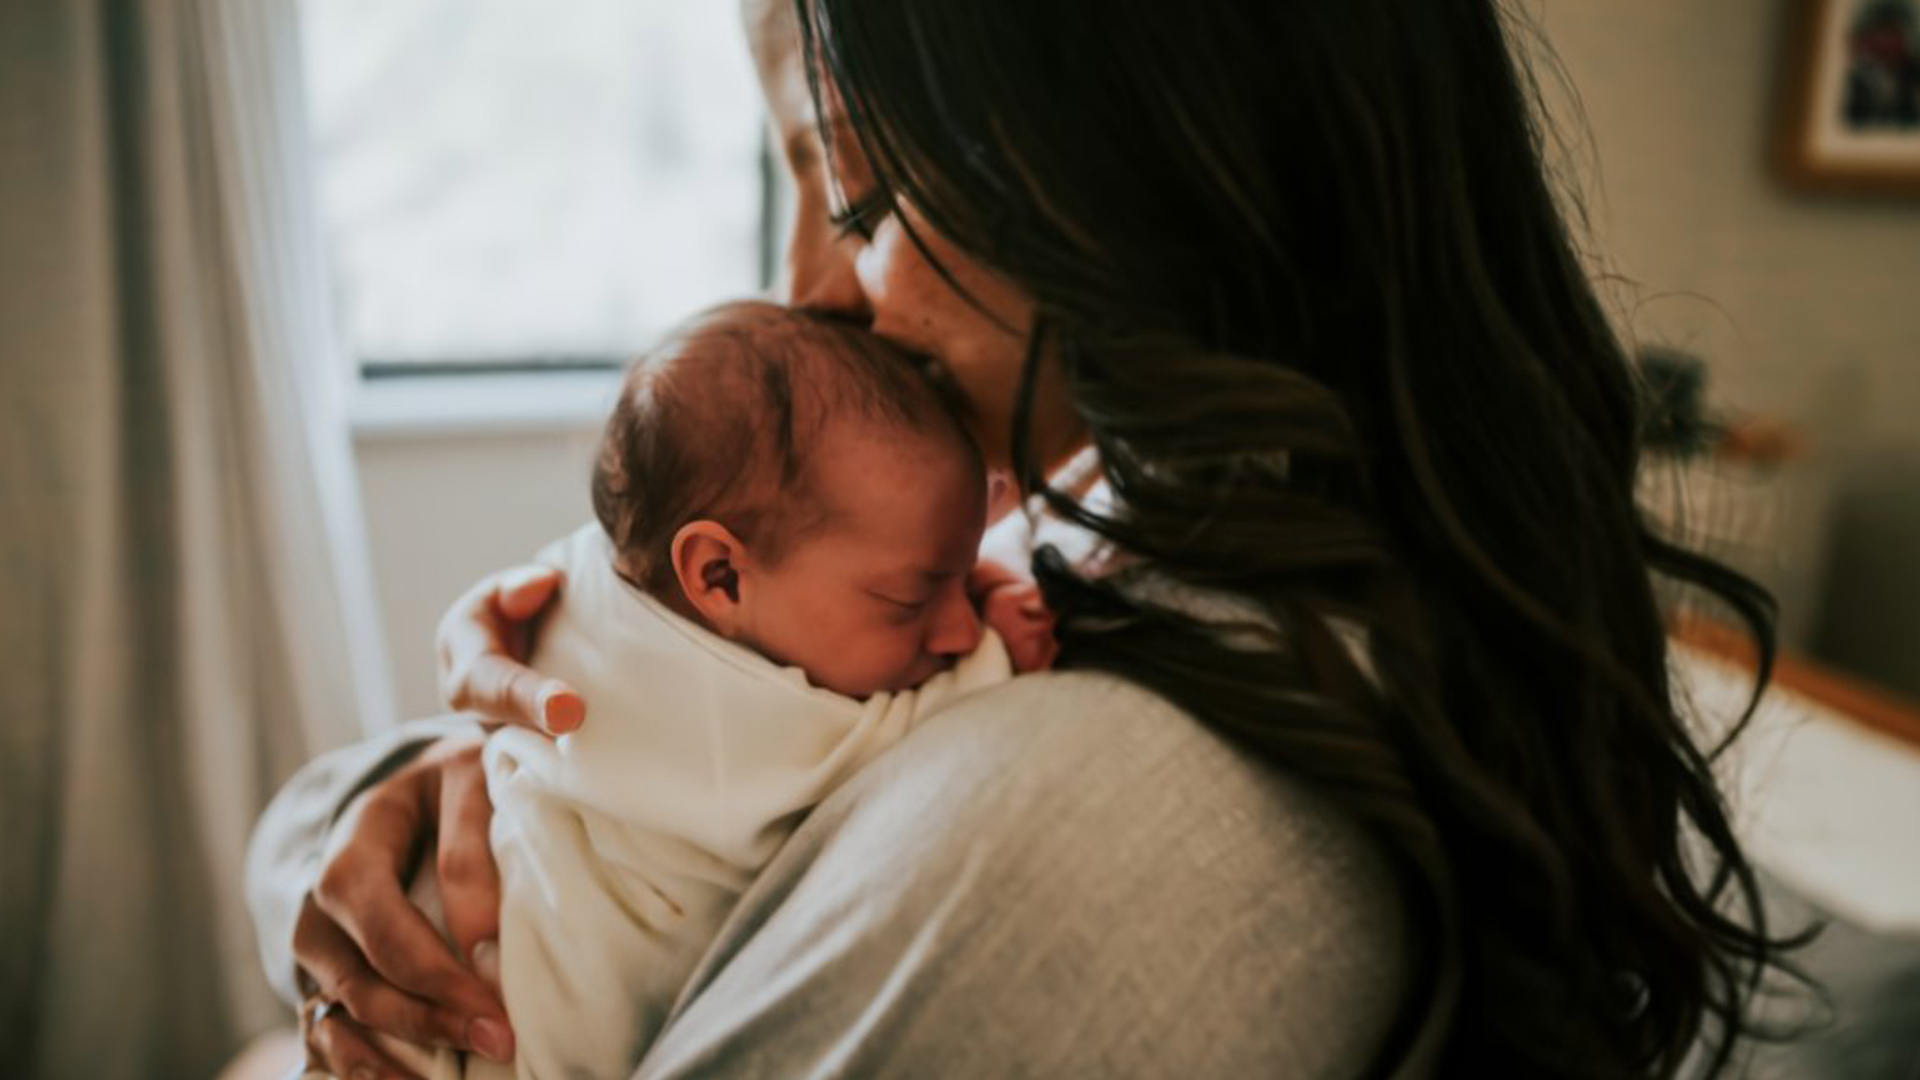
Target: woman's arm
[329,873]
[287,851]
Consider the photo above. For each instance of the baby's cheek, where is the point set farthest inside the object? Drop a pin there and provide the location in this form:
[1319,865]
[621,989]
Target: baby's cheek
[881,657]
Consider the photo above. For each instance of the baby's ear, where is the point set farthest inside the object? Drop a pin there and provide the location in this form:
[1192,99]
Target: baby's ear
[707,561]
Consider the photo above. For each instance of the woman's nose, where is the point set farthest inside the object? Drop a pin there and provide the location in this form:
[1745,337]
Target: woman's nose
[956,632]
[823,279]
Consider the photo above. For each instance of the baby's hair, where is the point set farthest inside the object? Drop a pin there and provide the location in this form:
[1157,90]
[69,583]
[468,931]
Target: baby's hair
[719,422]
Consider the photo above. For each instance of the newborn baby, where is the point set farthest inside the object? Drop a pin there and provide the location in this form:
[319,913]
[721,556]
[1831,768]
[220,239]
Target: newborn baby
[781,582]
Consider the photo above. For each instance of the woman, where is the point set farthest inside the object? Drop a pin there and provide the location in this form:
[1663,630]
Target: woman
[1363,761]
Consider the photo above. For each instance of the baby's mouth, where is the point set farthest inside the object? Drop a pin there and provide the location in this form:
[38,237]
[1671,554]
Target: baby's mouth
[928,668]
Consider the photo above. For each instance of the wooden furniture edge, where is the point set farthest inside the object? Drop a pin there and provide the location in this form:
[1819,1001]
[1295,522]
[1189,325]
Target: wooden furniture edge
[1870,706]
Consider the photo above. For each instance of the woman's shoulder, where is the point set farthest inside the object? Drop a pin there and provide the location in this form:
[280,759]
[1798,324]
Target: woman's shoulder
[1079,752]
[1063,875]
[1110,835]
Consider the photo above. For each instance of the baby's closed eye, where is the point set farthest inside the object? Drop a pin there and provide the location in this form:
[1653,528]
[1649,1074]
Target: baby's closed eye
[902,608]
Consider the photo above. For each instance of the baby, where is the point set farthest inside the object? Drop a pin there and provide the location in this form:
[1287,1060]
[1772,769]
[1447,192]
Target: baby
[781,582]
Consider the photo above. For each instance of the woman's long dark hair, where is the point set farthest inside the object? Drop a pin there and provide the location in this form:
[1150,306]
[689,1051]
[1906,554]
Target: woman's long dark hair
[1304,274]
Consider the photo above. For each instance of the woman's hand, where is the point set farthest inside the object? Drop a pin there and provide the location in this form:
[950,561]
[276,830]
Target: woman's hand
[485,639]
[369,961]
[372,966]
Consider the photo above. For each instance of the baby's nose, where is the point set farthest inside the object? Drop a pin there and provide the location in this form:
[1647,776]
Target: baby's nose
[957,631]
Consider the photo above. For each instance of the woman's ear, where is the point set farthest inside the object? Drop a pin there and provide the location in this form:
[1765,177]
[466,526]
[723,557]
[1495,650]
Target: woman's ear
[708,561]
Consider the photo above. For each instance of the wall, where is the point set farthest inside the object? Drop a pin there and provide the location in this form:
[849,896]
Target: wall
[445,507]
[1808,308]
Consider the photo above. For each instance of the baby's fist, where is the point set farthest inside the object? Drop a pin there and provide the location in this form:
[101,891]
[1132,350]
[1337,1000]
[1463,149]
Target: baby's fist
[1017,613]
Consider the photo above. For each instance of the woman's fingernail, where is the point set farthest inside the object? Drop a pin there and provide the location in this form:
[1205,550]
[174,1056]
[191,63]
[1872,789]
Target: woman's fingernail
[491,1038]
[486,962]
[561,710]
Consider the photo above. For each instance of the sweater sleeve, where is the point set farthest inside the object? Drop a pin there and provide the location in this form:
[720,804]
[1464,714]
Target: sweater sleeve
[289,841]
[1063,875]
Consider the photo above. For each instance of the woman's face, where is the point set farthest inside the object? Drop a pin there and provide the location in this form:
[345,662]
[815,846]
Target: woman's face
[872,272]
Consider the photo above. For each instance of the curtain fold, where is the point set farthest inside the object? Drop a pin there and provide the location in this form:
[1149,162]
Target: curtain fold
[186,609]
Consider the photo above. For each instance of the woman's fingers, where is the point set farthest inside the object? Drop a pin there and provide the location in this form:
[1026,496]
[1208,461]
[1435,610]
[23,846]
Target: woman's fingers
[362,943]
[508,691]
[524,591]
[336,1044]
[484,641]
[336,969]
[469,880]
[361,890]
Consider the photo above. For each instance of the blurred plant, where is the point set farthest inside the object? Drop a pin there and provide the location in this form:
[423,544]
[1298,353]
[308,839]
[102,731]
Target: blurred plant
[1673,388]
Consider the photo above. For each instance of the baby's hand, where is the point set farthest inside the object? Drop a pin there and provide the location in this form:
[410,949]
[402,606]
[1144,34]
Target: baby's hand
[1020,617]
[1015,610]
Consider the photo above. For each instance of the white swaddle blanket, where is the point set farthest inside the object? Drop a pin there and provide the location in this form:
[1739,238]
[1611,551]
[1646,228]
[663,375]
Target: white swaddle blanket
[622,847]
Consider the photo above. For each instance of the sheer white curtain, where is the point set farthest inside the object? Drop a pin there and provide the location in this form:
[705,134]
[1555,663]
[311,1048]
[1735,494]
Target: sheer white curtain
[185,607]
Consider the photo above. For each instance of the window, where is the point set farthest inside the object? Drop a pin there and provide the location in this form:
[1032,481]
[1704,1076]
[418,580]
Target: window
[513,184]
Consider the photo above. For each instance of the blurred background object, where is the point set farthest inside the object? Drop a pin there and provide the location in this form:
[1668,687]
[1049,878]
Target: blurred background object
[1800,306]
[1732,487]
[188,607]
[1674,389]
[1849,117]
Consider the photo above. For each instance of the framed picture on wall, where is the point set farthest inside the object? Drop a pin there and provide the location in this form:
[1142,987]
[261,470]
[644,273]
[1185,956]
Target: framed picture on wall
[1850,114]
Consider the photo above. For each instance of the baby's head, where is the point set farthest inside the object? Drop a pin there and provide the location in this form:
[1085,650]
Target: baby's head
[795,485]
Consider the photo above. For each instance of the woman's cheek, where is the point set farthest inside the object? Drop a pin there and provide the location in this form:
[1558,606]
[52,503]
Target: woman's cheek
[897,659]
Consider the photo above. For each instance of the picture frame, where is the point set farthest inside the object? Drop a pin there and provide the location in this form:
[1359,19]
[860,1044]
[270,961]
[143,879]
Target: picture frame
[1849,115]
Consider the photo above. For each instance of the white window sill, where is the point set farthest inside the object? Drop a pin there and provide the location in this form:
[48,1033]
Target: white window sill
[437,406]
